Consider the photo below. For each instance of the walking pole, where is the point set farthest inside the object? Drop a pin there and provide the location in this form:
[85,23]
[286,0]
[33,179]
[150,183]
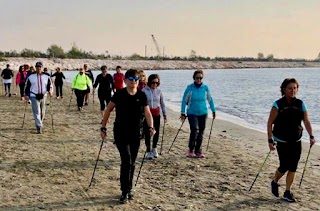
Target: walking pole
[164,124]
[24,113]
[176,135]
[259,171]
[144,156]
[305,165]
[95,166]
[210,134]
[70,99]
[51,114]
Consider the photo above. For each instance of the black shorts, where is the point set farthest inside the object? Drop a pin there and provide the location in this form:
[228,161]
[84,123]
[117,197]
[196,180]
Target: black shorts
[289,156]
[88,90]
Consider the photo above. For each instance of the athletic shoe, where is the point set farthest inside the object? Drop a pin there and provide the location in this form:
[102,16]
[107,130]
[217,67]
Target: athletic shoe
[190,154]
[61,97]
[80,108]
[86,104]
[29,101]
[275,188]
[130,195]
[9,94]
[155,153]
[124,198]
[288,196]
[149,155]
[58,97]
[6,94]
[199,155]
[39,130]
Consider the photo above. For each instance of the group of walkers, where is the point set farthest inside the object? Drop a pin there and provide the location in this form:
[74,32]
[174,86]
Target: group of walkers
[139,104]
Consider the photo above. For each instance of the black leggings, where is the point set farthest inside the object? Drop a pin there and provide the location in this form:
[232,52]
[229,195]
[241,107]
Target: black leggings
[289,156]
[80,96]
[104,100]
[128,148]
[21,85]
[156,124]
[59,89]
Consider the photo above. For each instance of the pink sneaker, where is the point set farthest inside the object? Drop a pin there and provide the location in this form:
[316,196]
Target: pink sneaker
[199,155]
[190,154]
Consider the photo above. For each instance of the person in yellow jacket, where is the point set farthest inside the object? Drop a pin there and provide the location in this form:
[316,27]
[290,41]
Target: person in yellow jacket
[80,84]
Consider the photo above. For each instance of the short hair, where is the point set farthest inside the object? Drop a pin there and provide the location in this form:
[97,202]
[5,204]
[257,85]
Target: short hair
[118,67]
[103,67]
[197,72]
[26,66]
[152,77]
[131,73]
[8,65]
[286,82]
[58,68]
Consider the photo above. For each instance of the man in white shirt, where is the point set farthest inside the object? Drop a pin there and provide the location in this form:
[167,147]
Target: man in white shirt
[38,85]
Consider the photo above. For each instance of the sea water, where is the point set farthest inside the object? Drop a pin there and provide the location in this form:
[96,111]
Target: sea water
[242,96]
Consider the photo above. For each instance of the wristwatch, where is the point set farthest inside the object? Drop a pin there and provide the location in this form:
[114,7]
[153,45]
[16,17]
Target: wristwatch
[311,137]
[103,129]
[271,141]
[151,128]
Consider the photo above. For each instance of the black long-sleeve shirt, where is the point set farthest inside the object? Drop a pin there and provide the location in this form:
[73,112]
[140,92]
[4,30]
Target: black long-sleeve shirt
[59,77]
[106,84]
[7,73]
[90,75]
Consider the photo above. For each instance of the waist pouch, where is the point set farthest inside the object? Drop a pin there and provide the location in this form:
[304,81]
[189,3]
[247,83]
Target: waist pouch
[155,111]
[39,96]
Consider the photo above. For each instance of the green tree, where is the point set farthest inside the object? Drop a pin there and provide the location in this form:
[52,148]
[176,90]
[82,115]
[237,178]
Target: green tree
[193,54]
[260,56]
[56,51]
[75,52]
[270,57]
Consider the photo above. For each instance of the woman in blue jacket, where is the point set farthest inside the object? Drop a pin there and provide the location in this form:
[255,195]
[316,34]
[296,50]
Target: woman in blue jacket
[194,98]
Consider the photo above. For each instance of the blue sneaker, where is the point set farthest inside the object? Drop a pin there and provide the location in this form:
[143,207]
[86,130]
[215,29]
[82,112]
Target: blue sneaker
[288,196]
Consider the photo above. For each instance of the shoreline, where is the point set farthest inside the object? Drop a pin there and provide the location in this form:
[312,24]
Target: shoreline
[71,64]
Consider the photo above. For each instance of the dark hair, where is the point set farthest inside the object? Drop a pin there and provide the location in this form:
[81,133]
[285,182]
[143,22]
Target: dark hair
[152,77]
[286,82]
[103,67]
[20,68]
[131,73]
[196,72]
[26,67]
[118,67]
[8,65]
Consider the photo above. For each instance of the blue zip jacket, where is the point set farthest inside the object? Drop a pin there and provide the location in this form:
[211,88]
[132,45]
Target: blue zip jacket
[195,99]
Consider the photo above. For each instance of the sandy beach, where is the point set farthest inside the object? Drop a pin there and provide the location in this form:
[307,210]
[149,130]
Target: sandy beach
[51,171]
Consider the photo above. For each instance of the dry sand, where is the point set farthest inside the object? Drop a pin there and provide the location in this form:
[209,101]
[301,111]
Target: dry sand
[51,171]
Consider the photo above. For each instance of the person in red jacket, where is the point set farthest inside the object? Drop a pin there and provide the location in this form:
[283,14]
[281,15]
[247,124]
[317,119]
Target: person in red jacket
[21,80]
[118,79]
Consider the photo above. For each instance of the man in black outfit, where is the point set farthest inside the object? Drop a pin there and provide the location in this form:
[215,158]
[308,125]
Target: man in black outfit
[7,75]
[106,85]
[90,75]
[130,104]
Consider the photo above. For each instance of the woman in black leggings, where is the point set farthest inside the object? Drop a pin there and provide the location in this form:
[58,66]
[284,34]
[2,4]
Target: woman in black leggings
[284,127]
[58,82]
[106,86]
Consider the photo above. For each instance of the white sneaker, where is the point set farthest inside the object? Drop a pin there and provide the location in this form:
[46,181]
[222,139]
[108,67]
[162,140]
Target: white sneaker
[149,155]
[155,153]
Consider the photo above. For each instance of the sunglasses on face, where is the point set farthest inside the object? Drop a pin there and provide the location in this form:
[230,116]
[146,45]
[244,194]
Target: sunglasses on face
[198,78]
[133,78]
[154,82]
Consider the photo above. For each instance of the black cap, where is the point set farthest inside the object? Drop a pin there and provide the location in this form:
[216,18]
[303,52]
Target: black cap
[39,64]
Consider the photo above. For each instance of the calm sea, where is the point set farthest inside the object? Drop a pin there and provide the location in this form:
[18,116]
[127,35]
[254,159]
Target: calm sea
[242,96]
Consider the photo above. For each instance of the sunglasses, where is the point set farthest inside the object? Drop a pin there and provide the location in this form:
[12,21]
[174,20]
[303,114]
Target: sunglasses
[133,78]
[198,78]
[154,82]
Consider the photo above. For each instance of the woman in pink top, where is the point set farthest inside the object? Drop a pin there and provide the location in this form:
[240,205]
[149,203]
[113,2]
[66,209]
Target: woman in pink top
[21,80]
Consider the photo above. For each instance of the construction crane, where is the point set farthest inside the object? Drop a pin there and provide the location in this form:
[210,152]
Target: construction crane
[157,46]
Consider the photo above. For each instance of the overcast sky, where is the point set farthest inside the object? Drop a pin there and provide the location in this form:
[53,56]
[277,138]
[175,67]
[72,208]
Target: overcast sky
[285,28]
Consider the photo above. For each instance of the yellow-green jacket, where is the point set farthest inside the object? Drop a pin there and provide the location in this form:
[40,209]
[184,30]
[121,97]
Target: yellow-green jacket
[81,82]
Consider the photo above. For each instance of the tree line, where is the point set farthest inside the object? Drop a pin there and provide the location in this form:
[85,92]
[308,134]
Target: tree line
[55,51]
